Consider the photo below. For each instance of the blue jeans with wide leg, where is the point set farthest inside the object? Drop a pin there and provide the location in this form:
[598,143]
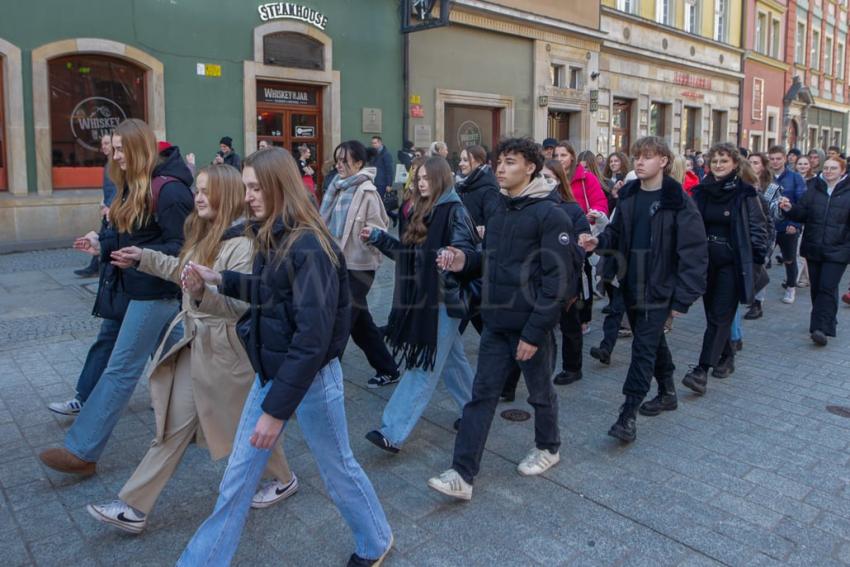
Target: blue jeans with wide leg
[321,416]
[137,339]
[97,358]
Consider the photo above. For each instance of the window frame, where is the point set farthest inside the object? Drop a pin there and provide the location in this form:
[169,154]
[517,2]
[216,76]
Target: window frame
[828,45]
[775,38]
[721,20]
[691,16]
[815,51]
[800,43]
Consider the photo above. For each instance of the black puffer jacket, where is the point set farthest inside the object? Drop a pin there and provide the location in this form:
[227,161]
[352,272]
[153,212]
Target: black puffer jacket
[749,230]
[299,318]
[826,236]
[524,264]
[679,256]
[163,232]
[479,192]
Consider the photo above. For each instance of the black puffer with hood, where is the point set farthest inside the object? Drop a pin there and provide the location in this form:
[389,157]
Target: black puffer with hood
[479,192]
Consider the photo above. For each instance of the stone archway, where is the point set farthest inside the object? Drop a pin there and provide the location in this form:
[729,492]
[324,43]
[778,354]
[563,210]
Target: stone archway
[155,95]
[15,135]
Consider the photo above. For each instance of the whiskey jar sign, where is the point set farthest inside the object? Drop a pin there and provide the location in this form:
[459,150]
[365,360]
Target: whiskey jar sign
[94,117]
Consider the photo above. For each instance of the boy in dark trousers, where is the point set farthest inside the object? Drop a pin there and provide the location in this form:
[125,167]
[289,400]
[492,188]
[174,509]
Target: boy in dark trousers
[658,232]
[526,269]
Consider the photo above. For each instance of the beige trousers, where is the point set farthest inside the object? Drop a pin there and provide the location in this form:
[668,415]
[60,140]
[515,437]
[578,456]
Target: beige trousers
[181,424]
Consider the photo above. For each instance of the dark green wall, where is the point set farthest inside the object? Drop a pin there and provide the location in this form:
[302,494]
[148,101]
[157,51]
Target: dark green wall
[181,33]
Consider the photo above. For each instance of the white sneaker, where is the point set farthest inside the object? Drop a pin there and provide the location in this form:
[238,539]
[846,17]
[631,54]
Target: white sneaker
[274,491]
[790,295]
[451,484]
[538,461]
[71,407]
[120,515]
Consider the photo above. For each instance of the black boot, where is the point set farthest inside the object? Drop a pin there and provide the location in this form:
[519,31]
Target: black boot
[696,379]
[567,377]
[755,311]
[725,367]
[666,399]
[600,354]
[91,270]
[625,429]
[737,346]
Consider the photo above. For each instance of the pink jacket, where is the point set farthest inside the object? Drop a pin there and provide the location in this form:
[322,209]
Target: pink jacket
[588,192]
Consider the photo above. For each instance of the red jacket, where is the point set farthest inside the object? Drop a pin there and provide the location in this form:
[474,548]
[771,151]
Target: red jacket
[691,180]
[588,192]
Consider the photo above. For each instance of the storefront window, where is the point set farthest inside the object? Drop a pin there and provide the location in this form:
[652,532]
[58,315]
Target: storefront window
[3,178]
[690,128]
[658,119]
[89,96]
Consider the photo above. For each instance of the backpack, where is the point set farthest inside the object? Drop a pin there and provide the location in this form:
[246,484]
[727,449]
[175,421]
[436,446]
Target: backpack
[157,183]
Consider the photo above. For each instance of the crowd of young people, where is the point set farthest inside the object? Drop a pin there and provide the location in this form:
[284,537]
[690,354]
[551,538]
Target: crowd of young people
[246,294]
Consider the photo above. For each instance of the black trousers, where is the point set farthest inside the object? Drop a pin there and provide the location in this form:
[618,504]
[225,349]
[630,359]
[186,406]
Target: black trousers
[586,305]
[509,390]
[496,360]
[650,354]
[572,341]
[613,320]
[364,332]
[824,278]
[788,248]
[719,302]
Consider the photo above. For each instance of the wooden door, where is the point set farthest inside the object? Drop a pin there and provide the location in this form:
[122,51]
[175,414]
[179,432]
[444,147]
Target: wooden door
[621,122]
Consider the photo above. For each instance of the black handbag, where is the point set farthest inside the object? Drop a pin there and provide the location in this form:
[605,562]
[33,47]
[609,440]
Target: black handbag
[390,200]
[111,301]
[760,277]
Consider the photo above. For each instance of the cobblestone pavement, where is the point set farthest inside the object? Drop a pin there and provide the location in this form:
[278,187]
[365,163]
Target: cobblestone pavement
[754,473]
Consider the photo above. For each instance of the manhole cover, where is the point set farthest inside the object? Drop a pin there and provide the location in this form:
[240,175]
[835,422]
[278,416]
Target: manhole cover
[516,415]
[842,411]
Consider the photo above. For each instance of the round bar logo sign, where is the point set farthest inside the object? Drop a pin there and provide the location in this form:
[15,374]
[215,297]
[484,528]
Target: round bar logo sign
[94,117]
[288,10]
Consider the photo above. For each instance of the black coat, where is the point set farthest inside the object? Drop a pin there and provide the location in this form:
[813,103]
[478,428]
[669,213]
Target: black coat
[479,192]
[299,318]
[525,275]
[679,254]
[826,236]
[748,232]
[162,232]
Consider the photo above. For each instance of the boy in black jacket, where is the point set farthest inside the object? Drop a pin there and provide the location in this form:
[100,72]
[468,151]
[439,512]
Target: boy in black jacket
[659,234]
[525,274]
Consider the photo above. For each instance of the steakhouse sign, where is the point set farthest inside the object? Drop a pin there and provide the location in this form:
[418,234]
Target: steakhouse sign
[288,10]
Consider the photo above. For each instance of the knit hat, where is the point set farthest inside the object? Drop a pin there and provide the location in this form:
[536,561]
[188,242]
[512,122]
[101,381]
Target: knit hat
[161,146]
[227,141]
[550,143]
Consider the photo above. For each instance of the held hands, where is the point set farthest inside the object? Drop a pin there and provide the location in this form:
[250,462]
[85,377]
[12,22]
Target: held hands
[365,233]
[593,215]
[90,243]
[266,432]
[128,257]
[791,229]
[588,242]
[525,351]
[785,203]
[194,276]
[451,259]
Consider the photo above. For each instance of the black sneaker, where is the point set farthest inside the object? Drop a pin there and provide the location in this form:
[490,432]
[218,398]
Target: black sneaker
[819,338]
[508,396]
[606,310]
[738,345]
[755,311]
[567,377]
[625,429]
[661,402]
[357,561]
[377,438]
[696,379]
[381,380]
[725,367]
[86,272]
[601,355]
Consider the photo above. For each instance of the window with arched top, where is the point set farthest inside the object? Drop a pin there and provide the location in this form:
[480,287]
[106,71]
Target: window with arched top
[292,49]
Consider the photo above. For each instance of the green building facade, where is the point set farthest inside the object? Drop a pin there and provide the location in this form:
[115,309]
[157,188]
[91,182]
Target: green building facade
[313,72]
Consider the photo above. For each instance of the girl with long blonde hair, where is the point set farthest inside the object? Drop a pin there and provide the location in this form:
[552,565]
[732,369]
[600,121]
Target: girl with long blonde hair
[148,212]
[295,330]
[199,384]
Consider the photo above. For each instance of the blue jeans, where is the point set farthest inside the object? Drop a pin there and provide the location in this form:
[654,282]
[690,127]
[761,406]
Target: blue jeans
[737,330]
[97,358]
[137,339]
[321,416]
[416,387]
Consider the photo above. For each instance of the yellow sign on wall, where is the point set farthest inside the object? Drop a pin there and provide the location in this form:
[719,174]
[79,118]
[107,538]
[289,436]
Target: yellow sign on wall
[208,70]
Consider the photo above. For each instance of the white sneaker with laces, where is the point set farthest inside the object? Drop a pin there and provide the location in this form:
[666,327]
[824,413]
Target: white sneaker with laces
[71,407]
[273,491]
[538,461]
[790,295]
[451,484]
[119,514]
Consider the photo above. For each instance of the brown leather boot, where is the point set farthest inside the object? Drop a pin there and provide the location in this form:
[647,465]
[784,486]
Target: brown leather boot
[62,460]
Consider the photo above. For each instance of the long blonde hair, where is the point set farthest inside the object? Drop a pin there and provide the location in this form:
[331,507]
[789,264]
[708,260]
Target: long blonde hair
[226,196]
[439,181]
[286,200]
[131,208]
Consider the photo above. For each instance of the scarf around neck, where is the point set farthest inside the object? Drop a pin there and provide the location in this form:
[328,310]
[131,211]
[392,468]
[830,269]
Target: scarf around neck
[335,205]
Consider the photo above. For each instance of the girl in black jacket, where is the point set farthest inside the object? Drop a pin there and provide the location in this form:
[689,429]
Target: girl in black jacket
[478,189]
[736,230]
[824,209]
[428,306]
[294,333]
[149,212]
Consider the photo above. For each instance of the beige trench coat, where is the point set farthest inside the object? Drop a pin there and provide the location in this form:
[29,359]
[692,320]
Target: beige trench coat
[221,372]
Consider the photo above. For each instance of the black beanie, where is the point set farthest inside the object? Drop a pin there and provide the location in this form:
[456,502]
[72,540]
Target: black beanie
[227,141]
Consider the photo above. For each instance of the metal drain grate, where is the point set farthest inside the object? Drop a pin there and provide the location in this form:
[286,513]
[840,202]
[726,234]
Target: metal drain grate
[515,415]
[841,411]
